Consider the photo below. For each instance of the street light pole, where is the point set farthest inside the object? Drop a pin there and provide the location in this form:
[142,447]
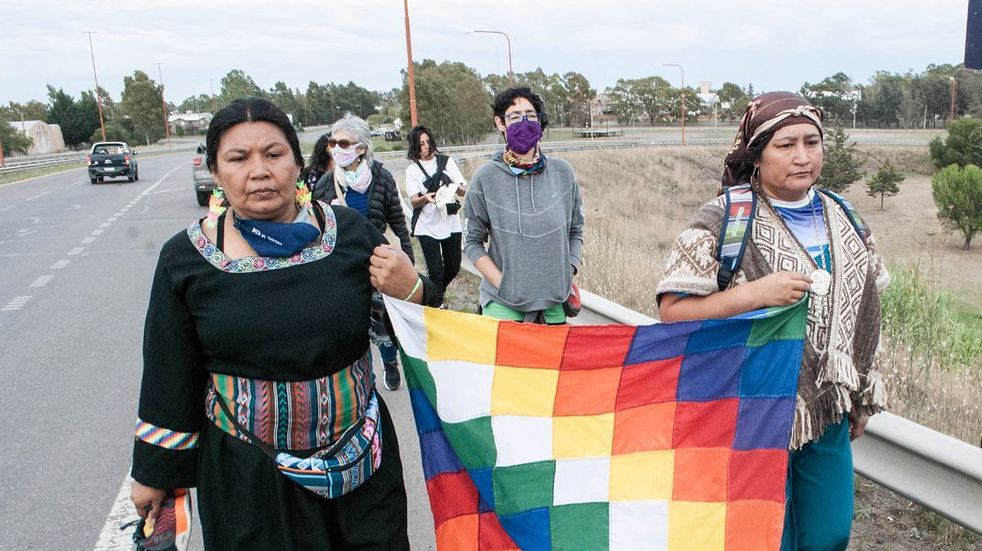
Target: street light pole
[412,75]
[98,97]
[163,102]
[511,72]
[954,96]
[681,70]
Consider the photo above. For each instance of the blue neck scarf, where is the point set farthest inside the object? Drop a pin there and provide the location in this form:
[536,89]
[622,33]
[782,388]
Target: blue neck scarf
[276,239]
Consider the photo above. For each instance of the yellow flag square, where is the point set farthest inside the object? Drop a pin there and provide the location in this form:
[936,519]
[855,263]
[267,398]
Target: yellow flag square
[642,476]
[457,336]
[523,391]
[583,436]
[696,526]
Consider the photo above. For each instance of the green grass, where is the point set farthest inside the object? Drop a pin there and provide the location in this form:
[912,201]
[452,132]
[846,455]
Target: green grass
[930,321]
[9,178]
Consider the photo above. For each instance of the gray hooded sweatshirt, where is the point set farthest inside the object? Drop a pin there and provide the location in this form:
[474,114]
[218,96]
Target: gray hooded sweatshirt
[533,228]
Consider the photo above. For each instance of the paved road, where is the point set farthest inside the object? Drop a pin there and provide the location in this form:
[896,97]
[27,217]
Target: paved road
[76,261]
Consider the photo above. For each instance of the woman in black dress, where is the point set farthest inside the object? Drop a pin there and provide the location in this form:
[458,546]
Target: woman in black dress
[263,310]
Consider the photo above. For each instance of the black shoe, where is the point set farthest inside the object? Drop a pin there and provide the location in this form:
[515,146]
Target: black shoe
[392,378]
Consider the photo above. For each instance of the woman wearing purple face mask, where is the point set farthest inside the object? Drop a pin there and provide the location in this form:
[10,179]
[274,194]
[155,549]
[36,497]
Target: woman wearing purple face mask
[524,219]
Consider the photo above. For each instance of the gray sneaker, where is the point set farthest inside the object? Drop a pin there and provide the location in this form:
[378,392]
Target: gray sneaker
[392,378]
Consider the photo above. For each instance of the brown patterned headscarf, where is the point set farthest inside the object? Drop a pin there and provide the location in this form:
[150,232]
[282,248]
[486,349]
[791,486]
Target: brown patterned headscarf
[766,113]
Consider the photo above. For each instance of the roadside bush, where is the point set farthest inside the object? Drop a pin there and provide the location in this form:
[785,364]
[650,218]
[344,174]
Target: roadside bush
[885,182]
[843,161]
[957,192]
[963,146]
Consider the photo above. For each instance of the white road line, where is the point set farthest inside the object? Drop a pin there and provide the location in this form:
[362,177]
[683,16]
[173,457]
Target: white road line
[97,232]
[16,303]
[76,251]
[111,538]
[88,240]
[112,218]
[41,281]
[105,225]
[5,209]
[60,264]
[38,196]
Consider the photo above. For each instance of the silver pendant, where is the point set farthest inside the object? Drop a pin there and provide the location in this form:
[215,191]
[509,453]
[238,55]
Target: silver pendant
[821,282]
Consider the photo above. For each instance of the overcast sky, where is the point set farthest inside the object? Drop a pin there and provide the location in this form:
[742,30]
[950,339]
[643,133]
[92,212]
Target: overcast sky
[772,44]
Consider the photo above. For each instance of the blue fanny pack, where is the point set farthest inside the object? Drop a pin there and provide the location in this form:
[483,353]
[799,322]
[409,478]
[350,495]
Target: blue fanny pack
[337,469]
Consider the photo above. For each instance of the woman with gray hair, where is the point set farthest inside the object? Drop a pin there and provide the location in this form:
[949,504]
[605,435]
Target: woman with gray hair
[361,183]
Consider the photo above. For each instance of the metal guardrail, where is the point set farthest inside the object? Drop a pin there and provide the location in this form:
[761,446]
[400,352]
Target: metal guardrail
[935,470]
[22,165]
[585,144]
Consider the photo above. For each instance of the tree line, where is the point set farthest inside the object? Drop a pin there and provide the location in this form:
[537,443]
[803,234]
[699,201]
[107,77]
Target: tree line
[454,100]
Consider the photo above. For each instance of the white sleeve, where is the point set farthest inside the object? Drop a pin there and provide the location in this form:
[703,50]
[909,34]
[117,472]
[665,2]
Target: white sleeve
[454,172]
[414,180]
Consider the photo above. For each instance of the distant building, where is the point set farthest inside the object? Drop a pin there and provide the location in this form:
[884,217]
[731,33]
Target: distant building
[45,138]
[189,123]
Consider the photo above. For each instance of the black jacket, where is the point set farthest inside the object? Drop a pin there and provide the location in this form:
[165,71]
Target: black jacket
[384,205]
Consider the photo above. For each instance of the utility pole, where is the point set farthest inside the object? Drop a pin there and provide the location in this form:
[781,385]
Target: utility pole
[98,97]
[681,70]
[414,118]
[163,102]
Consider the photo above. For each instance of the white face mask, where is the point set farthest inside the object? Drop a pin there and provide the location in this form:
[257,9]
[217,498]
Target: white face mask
[345,157]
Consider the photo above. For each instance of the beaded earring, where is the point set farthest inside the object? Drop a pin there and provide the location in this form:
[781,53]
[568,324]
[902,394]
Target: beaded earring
[216,206]
[303,197]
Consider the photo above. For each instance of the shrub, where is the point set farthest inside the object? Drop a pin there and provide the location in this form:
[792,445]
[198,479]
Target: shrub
[885,182]
[963,146]
[957,192]
[843,164]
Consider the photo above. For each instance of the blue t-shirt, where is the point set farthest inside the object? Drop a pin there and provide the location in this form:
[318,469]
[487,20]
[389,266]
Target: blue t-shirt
[806,220]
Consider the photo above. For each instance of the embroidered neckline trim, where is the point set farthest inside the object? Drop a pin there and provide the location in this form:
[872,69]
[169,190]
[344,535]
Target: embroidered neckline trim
[250,264]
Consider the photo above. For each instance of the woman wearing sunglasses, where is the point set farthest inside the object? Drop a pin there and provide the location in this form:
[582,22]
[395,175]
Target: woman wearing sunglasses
[524,219]
[361,183]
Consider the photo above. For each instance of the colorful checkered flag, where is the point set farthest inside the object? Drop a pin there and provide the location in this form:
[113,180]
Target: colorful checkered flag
[664,437]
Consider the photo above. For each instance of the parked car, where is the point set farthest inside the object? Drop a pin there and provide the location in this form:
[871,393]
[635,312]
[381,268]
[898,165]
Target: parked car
[203,183]
[112,160]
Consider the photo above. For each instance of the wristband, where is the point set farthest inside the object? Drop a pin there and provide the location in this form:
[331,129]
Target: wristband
[419,281]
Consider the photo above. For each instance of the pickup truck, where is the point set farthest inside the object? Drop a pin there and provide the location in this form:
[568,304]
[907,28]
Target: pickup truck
[112,160]
[203,183]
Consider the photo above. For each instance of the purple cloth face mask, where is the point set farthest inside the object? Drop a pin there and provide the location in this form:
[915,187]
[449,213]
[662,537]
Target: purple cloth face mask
[523,135]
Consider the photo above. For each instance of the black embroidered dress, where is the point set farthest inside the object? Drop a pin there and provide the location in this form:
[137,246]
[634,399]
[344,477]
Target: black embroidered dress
[288,339]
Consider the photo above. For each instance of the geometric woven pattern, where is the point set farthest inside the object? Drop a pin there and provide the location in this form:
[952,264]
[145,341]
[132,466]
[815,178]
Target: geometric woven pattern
[667,436]
[165,438]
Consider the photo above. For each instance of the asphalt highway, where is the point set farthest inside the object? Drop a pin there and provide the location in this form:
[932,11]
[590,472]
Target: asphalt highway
[76,262]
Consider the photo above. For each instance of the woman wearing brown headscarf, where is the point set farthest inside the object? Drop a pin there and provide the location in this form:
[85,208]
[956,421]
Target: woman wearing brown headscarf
[800,242]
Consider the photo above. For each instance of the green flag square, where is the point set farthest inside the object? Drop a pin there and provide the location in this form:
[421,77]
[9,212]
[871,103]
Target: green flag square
[774,328]
[473,441]
[580,526]
[523,487]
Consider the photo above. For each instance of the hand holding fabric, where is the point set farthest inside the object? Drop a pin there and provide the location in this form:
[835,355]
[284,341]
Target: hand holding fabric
[393,274]
[147,500]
